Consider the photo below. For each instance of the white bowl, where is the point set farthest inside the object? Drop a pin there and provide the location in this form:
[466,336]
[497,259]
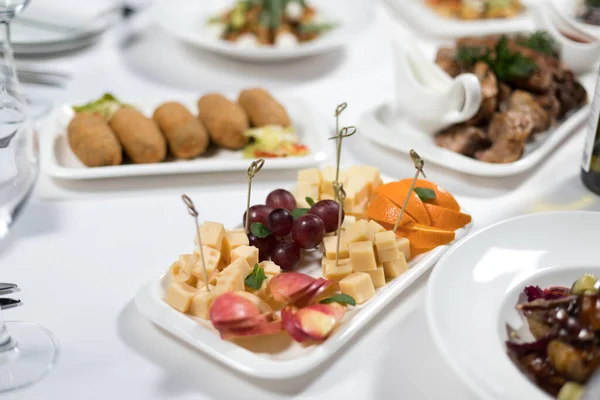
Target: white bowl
[474,288]
[187,20]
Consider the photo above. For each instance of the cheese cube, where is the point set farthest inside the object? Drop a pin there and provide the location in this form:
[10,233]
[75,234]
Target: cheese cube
[270,268]
[310,175]
[187,261]
[230,280]
[376,227]
[359,232]
[241,264]
[358,285]
[395,268]
[336,272]
[201,304]
[330,247]
[180,295]
[348,221]
[403,246]
[202,287]
[212,259]
[387,249]
[212,234]
[388,254]
[305,190]
[248,253]
[264,292]
[236,239]
[327,180]
[362,256]
[358,210]
[179,275]
[377,276]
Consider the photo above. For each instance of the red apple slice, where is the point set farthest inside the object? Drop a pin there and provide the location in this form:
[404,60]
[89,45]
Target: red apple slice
[319,289]
[264,328]
[289,286]
[236,310]
[315,322]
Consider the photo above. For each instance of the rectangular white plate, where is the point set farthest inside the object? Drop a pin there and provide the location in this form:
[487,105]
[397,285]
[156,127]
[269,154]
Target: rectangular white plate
[292,359]
[382,127]
[59,161]
[419,14]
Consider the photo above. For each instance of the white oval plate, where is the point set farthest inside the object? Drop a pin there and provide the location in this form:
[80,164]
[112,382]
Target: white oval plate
[293,359]
[186,20]
[472,292]
[380,126]
[59,161]
[418,14]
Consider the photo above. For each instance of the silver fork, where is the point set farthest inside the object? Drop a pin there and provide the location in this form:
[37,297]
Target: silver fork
[6,302]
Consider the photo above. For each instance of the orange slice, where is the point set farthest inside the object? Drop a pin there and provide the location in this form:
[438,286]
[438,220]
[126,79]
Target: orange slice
[443,198]
[384,211]
[426,237]
[396,192]
[445,218]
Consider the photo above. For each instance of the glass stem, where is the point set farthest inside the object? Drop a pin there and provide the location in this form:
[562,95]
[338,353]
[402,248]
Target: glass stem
[6,342]
[9,62]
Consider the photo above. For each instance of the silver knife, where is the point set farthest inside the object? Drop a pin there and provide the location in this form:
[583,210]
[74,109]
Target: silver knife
[7,287]
[5,303]
[591,390]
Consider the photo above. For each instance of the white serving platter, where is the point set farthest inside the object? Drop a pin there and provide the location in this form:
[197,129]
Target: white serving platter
[383,126]
[418,14]
[473,291]
[288,359]
[186,20]
[59,161]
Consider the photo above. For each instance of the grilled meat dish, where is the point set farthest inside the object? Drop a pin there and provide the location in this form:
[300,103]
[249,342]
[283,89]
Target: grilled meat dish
[508,132]
[463,139]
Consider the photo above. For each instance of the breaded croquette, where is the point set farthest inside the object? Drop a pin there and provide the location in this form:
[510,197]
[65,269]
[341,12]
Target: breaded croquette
[225,120]
[92,140]
[185,134]
[139,135]
[262,108]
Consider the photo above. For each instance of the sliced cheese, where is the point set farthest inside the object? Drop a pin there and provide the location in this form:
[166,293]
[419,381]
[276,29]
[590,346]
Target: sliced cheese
[201,304]
[395,268]
[212,234]
[358,285]
[362,256]
[180,295]
[330,247]
[377,277]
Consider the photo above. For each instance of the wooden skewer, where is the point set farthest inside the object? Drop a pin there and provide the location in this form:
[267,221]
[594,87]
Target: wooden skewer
[419,164]
[253,169]
[192,211]
[345,132]
[341,195]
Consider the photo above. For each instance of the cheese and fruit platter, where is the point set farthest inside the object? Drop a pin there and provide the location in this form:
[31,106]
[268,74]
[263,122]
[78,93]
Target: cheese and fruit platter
[306,269]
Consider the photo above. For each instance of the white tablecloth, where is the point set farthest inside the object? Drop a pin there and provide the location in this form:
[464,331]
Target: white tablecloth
[80,251]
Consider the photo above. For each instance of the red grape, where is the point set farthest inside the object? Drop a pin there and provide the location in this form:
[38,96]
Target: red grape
[286,255]
[308,231]
[281,198]
[280,222]
[258,213]
[264,245]
[328,211]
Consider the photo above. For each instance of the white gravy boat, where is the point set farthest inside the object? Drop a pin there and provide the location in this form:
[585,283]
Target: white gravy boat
[427,96]
[576,54]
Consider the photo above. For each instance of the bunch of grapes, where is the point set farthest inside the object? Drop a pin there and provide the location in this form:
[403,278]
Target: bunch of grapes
[286,229]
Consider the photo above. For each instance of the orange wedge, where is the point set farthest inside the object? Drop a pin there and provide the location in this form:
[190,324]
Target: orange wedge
[396,192]
[445,218]
[384,211]
[443,198]
[426,237]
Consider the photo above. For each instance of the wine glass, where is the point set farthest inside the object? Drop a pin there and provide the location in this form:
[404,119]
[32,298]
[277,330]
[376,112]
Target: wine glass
[27,351]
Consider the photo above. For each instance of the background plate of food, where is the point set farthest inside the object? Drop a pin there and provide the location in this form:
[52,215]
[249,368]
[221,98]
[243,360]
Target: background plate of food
[107,138]
[454,18]
[263,29]
[301,304]
[529,103]
[493,294]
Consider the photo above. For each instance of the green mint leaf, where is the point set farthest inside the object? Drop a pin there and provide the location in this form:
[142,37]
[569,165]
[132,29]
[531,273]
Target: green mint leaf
[540,41]
[425,194]
[341,298]
[298,212]
[259,230]
[256,278]
[310,201]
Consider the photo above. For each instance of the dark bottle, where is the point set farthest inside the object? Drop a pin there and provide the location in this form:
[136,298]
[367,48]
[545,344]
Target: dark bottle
[590,166]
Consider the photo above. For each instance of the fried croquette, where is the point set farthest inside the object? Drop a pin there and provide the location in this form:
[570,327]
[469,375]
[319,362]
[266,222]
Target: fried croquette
[262,108]
[185,134]
[92,140]
[140,136]
[225,120]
